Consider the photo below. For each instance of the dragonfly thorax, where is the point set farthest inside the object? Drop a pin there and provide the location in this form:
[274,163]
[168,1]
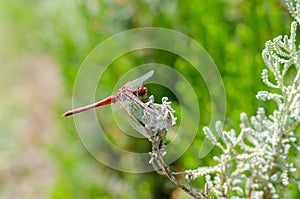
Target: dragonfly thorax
[142,91]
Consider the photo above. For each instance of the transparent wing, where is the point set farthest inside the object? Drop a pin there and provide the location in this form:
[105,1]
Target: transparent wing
[140,113]
[140,80]
[136,113]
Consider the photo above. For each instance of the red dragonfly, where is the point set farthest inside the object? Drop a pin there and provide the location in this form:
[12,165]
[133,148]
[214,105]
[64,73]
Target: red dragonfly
[128,96]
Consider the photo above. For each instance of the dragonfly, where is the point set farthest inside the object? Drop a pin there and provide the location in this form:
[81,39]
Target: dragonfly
[129,97]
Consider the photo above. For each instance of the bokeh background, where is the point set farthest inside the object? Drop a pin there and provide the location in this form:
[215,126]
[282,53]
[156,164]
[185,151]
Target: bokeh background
[43,44]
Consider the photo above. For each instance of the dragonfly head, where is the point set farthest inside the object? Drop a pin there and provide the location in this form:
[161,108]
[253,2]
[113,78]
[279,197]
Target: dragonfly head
[142,91]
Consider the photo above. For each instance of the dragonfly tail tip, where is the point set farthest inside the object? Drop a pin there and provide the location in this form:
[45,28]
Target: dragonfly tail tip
[66,114]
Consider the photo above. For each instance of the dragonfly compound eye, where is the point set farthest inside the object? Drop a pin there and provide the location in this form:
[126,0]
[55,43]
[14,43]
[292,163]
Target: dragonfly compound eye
[142,91]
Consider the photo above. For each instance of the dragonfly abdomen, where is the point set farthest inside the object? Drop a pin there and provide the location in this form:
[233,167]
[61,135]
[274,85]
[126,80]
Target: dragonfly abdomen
[108,100]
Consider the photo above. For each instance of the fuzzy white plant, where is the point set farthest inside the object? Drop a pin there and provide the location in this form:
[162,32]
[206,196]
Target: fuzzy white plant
[258,161]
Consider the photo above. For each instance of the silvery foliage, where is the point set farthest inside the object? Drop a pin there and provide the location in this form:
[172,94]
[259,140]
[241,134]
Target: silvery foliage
[257,162]
[158,119]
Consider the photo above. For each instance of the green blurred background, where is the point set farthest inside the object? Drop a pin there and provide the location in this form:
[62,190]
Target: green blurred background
[42,46]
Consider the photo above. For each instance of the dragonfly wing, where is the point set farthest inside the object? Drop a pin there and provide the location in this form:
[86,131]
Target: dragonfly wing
[133,104]
[139,81]
[135,116]
[141,111]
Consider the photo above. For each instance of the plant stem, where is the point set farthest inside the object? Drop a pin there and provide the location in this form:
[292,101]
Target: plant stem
[159,161]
